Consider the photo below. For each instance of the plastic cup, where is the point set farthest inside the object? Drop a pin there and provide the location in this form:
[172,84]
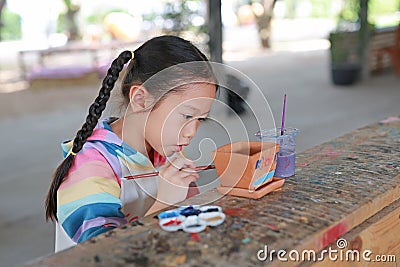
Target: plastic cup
[286,157]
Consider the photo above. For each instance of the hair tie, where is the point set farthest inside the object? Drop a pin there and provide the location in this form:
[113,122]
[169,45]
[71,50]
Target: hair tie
[71,153]
[133,54]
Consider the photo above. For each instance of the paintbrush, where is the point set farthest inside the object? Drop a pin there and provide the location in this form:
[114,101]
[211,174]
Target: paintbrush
[198,168]
[283,115]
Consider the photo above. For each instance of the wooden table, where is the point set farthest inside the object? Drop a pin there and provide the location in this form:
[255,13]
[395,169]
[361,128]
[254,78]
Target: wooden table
[348,187]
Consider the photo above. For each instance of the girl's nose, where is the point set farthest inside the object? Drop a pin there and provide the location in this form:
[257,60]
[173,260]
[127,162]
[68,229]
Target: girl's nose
[190,129]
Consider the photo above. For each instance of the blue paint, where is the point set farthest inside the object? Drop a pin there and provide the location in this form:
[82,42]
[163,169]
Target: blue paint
[246,240]
[168,214]
[258,164]
[264,178]
[189,211]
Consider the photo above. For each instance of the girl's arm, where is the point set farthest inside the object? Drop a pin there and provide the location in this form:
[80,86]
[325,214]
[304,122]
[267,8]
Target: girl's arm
[157,206]
[88,201]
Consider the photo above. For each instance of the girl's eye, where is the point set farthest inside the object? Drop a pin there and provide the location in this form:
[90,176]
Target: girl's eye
[189,117]
[202,119]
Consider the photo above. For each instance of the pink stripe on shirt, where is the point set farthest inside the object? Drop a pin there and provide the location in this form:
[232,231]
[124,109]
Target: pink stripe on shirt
[87,155]
[90,169]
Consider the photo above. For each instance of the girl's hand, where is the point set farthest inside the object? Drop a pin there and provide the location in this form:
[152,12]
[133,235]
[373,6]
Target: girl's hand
[174,179]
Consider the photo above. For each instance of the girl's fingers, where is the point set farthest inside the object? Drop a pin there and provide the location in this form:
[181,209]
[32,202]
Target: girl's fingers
[167,164]
[187,180]
[183,163]
[181,178]
[177,165]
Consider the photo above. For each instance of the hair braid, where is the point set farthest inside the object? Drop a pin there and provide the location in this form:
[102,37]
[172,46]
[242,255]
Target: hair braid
[95,111]
[97,108]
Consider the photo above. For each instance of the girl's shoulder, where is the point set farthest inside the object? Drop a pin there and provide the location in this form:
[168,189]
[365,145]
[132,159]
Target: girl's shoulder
[88,165]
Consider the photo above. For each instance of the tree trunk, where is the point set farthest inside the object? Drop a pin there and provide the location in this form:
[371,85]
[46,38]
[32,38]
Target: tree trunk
[2,5]
[72,27]
[364,37]
[215,30]
[72,11]
[264,22]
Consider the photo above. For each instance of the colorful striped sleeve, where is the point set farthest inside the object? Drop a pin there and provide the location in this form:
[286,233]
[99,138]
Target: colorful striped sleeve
[88,201]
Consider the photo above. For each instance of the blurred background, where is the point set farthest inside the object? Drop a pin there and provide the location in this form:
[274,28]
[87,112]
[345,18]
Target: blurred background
[338,62]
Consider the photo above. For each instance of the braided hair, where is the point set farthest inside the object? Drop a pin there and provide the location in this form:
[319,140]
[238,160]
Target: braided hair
[152,57]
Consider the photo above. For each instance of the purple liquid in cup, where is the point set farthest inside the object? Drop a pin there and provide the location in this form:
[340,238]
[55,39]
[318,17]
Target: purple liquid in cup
[285,165]
[286,157]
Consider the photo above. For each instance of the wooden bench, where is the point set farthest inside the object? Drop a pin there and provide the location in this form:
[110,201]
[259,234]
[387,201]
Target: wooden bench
[43,74]
[346,188]
[385,50]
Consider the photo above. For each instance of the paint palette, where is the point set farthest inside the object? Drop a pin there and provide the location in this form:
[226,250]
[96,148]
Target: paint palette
[191,219]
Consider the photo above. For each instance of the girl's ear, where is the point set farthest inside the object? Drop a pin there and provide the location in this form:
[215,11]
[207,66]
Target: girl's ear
[139,98]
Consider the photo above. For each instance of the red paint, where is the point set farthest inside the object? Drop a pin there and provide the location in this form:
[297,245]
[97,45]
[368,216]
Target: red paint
[172,222]
[312,159]
[287,163]
[235,211]
[326,153]
[133,218]
[195,237]
[264,163]
[302,164]
[332,154]
[272,227]
[332,234]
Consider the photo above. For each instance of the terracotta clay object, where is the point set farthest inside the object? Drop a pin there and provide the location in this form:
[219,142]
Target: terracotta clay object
[246,165]
[274,185]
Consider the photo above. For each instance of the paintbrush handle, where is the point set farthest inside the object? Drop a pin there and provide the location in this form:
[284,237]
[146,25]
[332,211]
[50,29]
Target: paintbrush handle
[144,175]
[283,115]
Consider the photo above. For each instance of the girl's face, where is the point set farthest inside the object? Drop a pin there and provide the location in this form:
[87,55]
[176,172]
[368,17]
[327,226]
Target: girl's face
[172,124]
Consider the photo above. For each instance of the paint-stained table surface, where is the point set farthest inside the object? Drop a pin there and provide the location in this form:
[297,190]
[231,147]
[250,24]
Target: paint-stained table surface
[338,187]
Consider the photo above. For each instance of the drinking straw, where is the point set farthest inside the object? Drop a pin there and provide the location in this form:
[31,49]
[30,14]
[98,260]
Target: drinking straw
[283,115]
[198,168]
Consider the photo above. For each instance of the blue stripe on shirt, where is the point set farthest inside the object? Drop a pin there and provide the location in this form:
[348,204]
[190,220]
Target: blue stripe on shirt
[88,212]
[92,232]
[67,209]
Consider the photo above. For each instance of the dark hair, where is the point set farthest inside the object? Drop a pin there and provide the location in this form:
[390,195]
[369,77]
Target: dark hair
[150,58]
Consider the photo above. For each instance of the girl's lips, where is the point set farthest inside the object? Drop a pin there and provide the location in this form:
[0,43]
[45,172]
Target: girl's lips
[179,148]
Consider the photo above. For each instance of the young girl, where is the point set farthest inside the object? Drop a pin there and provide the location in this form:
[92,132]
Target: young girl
[168,89]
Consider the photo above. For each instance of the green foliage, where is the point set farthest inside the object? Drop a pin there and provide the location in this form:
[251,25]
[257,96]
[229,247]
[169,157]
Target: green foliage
[178,17]
[382,7]
[321,9]
[62,23]
[11,28]
[377,9]
[382,13]
[350,11]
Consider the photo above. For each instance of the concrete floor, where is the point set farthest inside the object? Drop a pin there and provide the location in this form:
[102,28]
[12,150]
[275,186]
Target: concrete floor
[34,123]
